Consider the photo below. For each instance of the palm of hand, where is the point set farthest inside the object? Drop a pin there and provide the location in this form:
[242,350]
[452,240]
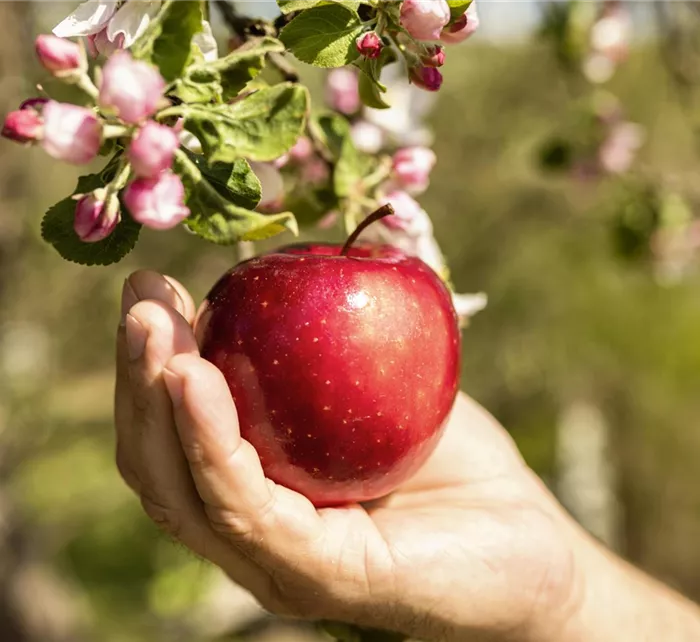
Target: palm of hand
[467,546]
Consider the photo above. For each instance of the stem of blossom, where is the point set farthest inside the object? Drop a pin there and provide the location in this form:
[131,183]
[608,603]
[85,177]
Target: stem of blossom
[83,82]
[115,185]
[378,175]
[114,131]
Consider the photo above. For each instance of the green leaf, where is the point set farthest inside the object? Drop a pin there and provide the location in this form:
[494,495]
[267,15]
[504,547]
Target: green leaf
[243,64]
[290,6]
[370,87]
[324,36]
[198,86]
[331,129]
[349,169]
[216,219]
[57,229]
[166,42]
[234,181]
[261,126]
[458,7]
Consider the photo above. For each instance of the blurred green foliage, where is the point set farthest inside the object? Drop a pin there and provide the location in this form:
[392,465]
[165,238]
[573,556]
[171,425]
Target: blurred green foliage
[567,318]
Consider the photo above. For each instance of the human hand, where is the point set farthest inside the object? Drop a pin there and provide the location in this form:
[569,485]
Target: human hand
[473,547]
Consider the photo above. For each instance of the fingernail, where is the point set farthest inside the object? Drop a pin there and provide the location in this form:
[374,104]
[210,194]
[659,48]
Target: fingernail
[136,336]
[129,299]
[174,385]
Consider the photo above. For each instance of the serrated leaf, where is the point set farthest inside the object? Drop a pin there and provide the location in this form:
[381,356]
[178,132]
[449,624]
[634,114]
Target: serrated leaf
[198,86]
[166,42]
[235,181]
[324,35]
[57,229]
[261,126]
[290,6]
[218,220]
[242,65]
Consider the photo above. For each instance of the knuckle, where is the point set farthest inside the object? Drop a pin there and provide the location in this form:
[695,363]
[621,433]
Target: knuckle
[230,523]
[194,452]
[166,518]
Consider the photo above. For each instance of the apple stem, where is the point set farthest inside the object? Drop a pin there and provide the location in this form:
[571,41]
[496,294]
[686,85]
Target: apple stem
[384,210]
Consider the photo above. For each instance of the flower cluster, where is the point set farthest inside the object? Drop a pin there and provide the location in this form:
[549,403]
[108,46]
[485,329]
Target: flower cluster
[127,94]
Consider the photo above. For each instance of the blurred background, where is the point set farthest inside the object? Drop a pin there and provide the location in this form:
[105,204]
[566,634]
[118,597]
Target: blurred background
[566,186]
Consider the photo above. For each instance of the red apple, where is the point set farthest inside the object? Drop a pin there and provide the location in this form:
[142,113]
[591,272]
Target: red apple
[343,368]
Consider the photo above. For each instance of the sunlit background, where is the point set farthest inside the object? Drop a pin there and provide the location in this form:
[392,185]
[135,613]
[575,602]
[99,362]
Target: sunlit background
[588,352]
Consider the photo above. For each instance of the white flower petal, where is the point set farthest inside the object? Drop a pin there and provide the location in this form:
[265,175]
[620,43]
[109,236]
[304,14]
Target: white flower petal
[467,305]
[206,42]
[89,18]
[131,20]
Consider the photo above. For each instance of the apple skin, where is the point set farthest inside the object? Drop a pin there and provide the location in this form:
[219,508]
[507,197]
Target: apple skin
[343,369]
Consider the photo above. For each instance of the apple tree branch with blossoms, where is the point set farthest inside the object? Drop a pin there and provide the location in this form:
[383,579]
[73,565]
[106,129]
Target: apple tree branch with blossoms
[210,142]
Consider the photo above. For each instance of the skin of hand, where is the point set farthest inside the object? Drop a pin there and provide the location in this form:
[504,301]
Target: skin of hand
[472,548]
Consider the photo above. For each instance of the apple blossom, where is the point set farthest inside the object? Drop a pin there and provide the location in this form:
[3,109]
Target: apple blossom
[342,92]
[151,150]
[60,56]
[424,19]
[122,22]
[93,221]
[100,44]
[412,167]
[302,149]
[157,202]
[617,152]
[369,45]
[367,136]
[463,27]
[134,89]
[434,56]
[315,171]
[23,126]
[71,133]
[427,78]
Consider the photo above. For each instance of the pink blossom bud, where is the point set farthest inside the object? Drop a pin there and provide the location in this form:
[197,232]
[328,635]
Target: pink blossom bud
[93,221]
[151,151]
[59,55]
[71,133]
[157,202]
[23,126]
[424,19]
[134,89]
[434,56]
[315,171]
[409,216]
[342,92]
[302,149]
[369,45]
[463,27]
[412,167]
[367,136]
[101,44]
[427,78]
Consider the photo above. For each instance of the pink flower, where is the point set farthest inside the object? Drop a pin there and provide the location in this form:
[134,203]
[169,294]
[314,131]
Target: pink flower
[157,202]
[315,171]
[619,150]
[99,43]
[302,149]
[342,92]
[60,56]
[463,27]
[412,167]
[409,216]
[93,221]
[424,19]
[427,78]
[23,126]
[369,45]
[71,133]
[434,56]
[151,151]
[134,89]
[367,136]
